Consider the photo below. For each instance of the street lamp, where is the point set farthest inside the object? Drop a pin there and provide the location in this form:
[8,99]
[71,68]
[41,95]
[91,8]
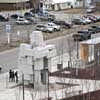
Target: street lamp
[77,38]
[23,88]
[8,30]
[48,83]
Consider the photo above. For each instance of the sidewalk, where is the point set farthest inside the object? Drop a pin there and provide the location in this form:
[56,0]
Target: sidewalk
[9,90]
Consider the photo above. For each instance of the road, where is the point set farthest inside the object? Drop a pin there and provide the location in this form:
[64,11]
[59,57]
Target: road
[8,59]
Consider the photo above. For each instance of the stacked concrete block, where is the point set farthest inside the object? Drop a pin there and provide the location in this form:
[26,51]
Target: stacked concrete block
[34,60]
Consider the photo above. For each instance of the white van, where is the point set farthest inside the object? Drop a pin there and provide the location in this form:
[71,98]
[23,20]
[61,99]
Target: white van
[91,9]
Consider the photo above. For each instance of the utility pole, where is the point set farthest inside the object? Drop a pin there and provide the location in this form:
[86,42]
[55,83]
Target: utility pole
[84,1]
[77,37]
[35,4]
[8,31]
[77,48]
[23,86]
[48,83]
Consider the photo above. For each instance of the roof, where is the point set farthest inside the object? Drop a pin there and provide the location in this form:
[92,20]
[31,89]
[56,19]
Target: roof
[93,41]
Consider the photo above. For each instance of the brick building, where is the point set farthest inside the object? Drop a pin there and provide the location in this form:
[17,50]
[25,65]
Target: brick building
[18,4]
[14,4]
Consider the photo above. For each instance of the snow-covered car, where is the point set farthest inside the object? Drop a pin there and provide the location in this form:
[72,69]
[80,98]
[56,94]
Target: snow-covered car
[53,25]
[91,9]
[79,21]
[23,22]
[87,20]
[44,28]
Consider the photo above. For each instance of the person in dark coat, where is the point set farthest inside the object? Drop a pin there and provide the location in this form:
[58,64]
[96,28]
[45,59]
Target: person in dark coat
[10,75]
[16,77]
[13,76]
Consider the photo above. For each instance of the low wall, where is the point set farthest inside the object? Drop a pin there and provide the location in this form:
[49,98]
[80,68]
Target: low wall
[87,96]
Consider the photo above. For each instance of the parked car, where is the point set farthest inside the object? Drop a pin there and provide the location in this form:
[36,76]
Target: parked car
[91,9]
[22,21]
[94,28]
[82,35]
[91,17]
[44,28]
[64,24]
[29,14]
[87,20]
[94,17]
[87,32]
[46,16]
[14,16]
[98,18]
[31,19]
[43,18]
[79,21]
[3,19]
[51,17]
[53,25]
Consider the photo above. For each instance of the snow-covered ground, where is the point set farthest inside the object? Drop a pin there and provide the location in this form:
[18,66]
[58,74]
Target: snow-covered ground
[16,93]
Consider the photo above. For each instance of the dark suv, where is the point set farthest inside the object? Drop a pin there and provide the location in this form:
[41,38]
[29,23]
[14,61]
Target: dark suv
[64,24]
[94,28]
[79,21]
[3,19]
[82,35]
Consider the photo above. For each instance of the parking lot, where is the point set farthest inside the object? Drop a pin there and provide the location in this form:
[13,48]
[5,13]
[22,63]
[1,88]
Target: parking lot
[20,33]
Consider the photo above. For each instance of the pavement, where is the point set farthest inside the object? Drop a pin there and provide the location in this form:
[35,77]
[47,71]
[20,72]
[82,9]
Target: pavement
[8,59]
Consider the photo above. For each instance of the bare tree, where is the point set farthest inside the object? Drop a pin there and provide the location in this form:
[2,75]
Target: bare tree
[35,3]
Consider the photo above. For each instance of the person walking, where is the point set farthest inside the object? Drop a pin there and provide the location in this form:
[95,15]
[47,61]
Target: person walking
[13,76]
[10,75]
[16,77]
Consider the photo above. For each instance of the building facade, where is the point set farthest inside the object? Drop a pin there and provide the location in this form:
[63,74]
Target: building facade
[14,4]
[19,4]
[62,4]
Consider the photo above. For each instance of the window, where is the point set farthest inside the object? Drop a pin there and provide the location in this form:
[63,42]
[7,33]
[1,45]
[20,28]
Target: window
[68,3]
[41,5]
[33,67]
[45,61]
[44,76]
[32,78]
